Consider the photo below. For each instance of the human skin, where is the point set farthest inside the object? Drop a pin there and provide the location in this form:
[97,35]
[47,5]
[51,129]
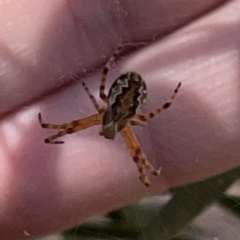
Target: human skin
[49,188]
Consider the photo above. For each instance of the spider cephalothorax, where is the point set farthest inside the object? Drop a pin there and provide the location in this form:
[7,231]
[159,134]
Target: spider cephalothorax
[126,97]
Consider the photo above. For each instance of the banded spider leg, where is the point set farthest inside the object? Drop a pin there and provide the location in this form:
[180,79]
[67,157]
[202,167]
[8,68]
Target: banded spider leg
[127,95]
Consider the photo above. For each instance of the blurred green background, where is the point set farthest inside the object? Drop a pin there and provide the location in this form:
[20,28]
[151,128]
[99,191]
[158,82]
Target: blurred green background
[172,215]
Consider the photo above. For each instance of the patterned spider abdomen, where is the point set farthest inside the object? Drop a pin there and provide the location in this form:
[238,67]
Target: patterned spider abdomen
[126,97]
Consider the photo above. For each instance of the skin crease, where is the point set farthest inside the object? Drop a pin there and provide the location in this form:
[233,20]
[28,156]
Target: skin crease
[48,188]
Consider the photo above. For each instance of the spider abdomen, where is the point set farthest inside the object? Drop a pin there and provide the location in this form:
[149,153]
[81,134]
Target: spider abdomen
[126,97]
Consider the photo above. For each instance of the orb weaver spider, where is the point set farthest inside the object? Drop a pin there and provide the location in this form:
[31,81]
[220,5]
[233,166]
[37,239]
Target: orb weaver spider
[125,99]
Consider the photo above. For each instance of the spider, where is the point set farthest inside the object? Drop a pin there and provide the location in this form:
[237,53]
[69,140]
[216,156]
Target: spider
[125,100]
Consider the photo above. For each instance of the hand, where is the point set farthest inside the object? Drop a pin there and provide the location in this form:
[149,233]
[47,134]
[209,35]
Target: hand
[48,188]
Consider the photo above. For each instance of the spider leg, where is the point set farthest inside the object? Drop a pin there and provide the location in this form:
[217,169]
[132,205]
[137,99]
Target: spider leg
[141,162]
[138,155]
[68,128]
[146,117]
[148,165]
[136,122]
[52,126]
[106,69]
[93,99]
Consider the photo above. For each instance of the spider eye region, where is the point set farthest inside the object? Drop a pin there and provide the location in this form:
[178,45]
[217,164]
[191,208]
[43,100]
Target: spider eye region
[109,131]
[112,124]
